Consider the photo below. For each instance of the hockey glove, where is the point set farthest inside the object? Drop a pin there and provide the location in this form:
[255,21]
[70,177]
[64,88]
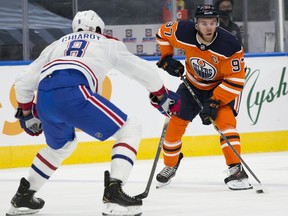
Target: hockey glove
[172,66]
[30,123]
[170,104]
[210,109]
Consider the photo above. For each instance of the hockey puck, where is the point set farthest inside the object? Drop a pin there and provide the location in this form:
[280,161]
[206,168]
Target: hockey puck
[259,191]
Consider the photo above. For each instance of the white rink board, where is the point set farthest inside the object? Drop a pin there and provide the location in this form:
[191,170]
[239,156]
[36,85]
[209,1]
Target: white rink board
[263,84]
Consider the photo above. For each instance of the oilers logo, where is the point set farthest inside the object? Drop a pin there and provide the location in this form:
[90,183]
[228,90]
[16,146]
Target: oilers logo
[203,69]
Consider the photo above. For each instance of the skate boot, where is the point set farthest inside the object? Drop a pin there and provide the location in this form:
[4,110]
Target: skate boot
[237,179]
[116,201]
[24,202]
[167,173]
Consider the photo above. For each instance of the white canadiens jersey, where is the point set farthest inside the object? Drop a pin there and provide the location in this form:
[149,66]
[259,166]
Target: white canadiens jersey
[91,53]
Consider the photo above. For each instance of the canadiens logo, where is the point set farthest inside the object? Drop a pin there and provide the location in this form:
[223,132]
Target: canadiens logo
[203,69]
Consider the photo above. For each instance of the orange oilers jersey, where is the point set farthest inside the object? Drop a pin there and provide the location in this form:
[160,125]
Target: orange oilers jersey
[219,64]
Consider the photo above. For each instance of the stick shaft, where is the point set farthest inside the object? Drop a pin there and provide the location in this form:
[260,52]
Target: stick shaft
[159,148]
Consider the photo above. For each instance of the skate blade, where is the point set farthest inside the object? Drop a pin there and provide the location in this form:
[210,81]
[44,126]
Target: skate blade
[161,184]
[21,211]
[242,184]
[113,209]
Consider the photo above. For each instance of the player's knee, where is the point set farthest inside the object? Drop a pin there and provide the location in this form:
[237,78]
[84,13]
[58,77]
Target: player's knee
[129,133]
[176,129]
[57,156]
[225,119]
[68,148]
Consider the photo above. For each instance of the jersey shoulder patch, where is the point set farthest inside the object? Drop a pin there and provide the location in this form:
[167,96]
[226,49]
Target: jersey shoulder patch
[110,37]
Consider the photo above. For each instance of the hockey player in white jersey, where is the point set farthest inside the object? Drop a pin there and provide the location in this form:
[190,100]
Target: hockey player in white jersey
[68,78]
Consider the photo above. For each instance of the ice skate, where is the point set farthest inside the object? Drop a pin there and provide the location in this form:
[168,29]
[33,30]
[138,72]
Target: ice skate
[117,202]
[167,173]
[237,179]
[24,202]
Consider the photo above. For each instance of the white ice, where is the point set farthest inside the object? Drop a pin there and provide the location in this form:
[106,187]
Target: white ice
[197,189]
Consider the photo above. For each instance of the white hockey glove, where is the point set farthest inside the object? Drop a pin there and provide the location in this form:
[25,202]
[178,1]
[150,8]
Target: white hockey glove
[170,104]
[30,123]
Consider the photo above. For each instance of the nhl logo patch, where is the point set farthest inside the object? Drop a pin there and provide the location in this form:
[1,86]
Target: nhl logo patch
[98,135]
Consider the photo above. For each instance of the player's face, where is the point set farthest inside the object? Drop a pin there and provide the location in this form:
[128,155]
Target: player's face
[207,28]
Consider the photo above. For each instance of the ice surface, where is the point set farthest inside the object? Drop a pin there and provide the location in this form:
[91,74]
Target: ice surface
[197,189]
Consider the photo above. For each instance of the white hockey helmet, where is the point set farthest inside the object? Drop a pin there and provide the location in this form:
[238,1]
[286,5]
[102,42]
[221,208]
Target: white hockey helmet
[87,21]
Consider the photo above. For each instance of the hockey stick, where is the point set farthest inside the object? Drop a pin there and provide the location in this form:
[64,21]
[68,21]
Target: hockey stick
[183,78]
[145,193]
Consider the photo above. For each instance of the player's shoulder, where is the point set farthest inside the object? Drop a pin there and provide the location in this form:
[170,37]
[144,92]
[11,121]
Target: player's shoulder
[226,43]
[186,26]
[179,26]
[110,37]
[186,31]
[186,23]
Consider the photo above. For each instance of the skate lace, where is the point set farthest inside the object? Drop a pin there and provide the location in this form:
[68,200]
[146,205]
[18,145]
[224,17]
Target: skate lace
[233,170]
[126,195]
[167,171]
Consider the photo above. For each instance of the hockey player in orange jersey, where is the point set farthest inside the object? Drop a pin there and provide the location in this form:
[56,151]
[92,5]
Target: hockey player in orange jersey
[215,71]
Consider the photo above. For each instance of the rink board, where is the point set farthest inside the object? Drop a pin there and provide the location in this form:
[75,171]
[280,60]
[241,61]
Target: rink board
[262,121]
[92,152]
